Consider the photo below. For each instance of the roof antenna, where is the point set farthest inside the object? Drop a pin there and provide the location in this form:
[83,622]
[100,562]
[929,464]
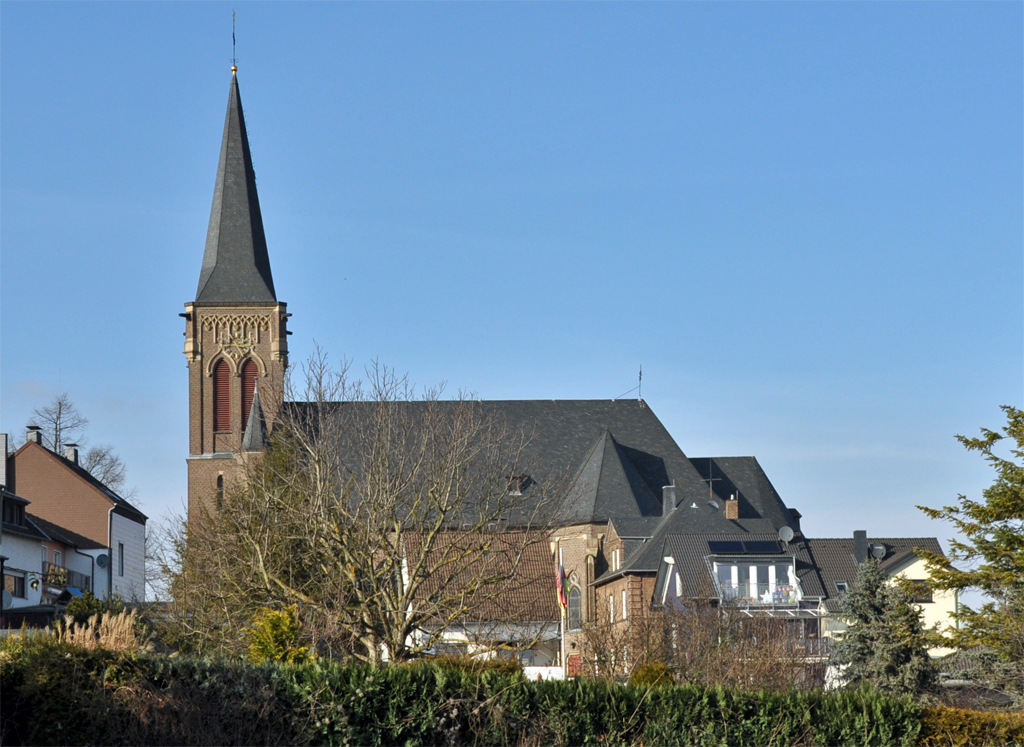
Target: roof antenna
[234,59]
[636,388]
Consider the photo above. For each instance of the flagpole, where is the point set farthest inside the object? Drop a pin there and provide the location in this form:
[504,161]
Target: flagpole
[561,624]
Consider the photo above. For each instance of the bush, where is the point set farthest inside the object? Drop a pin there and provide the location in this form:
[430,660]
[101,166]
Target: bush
[83,607]
[652,674]
[959,727]
[473,665]
[275,636]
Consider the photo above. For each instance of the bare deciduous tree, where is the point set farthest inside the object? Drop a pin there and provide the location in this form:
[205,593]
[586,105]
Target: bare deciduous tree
[705,645]
[61,422]
[386,517]
[105,465]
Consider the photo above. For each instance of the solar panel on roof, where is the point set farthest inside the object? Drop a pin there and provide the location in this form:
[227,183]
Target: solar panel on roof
[761,546]
[725,547]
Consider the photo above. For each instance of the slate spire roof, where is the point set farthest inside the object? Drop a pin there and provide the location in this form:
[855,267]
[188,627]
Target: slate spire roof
[236,266]
[255,436]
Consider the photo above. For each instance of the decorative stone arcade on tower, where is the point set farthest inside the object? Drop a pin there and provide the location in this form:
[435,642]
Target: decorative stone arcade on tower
[236,329]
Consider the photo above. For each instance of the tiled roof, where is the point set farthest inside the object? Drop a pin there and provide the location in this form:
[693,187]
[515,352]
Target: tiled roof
[236,265]
[834,557]
[761,511]
[612,457]
[58,533]
[691,551]
[523,569]
[121,506]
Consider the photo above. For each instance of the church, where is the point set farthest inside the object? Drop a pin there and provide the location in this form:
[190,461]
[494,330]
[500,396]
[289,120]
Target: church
[645,525]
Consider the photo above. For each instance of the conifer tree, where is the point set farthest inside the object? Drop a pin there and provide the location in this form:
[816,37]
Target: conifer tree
[991,555]
[885,644]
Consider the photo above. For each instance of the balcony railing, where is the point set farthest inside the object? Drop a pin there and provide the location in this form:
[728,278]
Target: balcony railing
[760,595]
[58,576]
[812,646]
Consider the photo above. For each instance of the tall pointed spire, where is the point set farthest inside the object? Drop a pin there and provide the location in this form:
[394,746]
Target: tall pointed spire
[236,266]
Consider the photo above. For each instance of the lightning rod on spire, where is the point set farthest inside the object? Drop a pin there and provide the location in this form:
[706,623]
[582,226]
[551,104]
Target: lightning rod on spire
[234,58]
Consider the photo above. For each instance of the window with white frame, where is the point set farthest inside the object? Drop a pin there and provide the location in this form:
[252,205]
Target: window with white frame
[625,608]
[611,608]
[758,581]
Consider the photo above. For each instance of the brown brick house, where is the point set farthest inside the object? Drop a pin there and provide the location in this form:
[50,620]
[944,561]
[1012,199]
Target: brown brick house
[66,495]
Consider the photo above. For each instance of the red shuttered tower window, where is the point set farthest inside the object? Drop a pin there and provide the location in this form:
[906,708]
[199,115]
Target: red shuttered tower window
[221,397]
[249,374]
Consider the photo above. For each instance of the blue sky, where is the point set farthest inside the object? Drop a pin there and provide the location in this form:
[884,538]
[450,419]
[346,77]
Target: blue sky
[803,219]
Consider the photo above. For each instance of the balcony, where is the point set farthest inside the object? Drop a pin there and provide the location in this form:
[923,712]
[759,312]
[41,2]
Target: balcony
[747,594]
[55,575]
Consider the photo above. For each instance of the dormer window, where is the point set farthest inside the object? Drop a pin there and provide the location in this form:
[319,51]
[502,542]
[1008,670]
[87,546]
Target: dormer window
[14,513]
[517,484]
[757,581]
[841,587]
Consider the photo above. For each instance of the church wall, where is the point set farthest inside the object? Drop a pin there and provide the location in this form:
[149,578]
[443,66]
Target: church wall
[234,334]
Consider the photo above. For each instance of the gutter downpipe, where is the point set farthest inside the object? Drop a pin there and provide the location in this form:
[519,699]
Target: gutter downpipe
[92,577]
[110,552]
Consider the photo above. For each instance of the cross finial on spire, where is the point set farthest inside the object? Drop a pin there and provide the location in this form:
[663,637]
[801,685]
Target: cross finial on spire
[234,58]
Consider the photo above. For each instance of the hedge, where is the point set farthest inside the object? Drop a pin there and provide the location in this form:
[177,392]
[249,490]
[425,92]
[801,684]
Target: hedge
[958,727]
[58,694]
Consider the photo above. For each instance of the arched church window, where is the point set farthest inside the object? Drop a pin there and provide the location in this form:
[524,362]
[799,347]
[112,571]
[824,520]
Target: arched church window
[575,609]
[221,397]
[249,374]
[220,491]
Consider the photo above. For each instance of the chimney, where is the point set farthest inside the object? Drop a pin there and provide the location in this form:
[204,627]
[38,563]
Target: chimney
[3,460]
[732,508]
[71,453]
[34,434]
[668,499]
[860,546]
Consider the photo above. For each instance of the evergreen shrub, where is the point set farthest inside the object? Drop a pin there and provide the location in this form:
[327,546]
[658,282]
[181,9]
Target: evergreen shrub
[55,693]
[959,727]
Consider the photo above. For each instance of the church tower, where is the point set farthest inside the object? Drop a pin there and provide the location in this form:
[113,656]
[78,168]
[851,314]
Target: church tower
[236,329]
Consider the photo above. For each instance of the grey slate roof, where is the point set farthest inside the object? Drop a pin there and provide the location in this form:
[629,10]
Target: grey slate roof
[255,436]
[690,551]
[834,557]
[615,455]
[761,511]
[236,266]
[58,533]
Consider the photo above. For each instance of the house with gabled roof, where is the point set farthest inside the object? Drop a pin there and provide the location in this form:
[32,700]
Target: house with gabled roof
[83,513]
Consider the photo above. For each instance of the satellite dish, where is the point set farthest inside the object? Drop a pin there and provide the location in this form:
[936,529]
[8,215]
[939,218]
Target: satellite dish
[7,599]
[786,534]
[103,560]
[713,505]
[878,551]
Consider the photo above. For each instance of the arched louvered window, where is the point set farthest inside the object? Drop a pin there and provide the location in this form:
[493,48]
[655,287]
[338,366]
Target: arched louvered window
[249,374]
[221,397]
[575,610]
